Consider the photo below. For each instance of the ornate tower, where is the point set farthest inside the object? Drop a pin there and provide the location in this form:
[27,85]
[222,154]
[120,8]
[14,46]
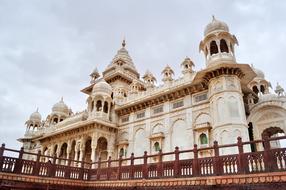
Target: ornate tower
[149,80]
[218,43]
[225,79]
[167,74]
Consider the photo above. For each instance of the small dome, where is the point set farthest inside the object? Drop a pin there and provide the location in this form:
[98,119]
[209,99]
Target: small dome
[102,86]
[61,107]
[36,116]
[258,72]
[215,26]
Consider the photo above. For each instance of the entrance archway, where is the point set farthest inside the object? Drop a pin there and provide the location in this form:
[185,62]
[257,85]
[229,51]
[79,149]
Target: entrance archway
[101,148]
[274,132]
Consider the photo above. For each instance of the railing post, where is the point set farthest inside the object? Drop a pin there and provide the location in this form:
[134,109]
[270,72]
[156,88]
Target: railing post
[216,164]
[196,168]
[176,163]
[269,159]
[160,164]
[2,149]
[98,169]
[145,165]
[81,175]
[109,168]
[19,163]
[53,167]
[131,166]
[68,170]
[119,167]
[242,167]
[36,169]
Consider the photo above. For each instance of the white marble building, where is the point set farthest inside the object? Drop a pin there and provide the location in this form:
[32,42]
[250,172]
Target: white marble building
[128,114]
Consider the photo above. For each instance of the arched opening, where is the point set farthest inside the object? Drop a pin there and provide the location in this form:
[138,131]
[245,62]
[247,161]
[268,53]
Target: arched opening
[101,149]
[213,48]
[255,89]
[203,139]
[223,46]
[274,132]
[105,107]
[98,105]
[55,150]
[72,153]
[121,152]
[87,150]
[55,120]
[262,89]
[251,137]
[157,146]
[45,153]
[63,154]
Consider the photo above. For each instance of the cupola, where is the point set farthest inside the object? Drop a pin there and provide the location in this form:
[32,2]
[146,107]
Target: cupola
[167,74]
[218,43]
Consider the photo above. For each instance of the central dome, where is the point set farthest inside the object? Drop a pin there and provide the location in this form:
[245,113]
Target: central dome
[61,107]
[215,26]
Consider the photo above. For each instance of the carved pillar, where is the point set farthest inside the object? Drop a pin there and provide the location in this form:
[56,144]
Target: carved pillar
[69,149]
[110,146]
[58,154]
[93,148]
[76,150]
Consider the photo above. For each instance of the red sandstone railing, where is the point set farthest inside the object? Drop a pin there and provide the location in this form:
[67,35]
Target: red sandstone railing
[185,163]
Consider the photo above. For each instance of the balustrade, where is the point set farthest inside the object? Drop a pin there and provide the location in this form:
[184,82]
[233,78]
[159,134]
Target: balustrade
[161,165]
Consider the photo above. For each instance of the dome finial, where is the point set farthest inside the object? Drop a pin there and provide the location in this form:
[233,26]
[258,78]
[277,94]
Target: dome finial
[213,17]
[62,99]
[37,110]
[123,42]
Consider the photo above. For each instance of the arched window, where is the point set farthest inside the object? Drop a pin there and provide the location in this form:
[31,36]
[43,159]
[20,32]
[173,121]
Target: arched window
[262,89]
[55,120]
[121,152]
[255,89]
[98,105]
[157,146]
[223,46]
[203,139]
[213,48]
[105,107]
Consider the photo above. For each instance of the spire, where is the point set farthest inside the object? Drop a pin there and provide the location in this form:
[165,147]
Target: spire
[123,42]
[62,99]
[213,17]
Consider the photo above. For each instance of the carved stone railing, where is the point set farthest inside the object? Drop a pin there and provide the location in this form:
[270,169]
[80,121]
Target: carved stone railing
[167,165]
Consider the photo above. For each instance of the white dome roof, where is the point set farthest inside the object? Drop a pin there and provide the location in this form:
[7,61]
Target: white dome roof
[61,107]
[258,72]
[36,116]
[102,86]
[215,26]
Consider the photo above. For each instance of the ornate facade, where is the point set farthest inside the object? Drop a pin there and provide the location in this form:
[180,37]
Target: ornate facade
[126,114]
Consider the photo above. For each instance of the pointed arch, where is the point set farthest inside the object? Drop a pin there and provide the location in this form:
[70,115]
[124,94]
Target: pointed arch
[223,46]
[213,47]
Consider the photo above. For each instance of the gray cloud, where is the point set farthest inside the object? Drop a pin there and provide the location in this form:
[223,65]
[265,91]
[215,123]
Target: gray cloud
[48,48]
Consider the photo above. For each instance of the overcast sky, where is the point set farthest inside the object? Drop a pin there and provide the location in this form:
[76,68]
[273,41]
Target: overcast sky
[48,48]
